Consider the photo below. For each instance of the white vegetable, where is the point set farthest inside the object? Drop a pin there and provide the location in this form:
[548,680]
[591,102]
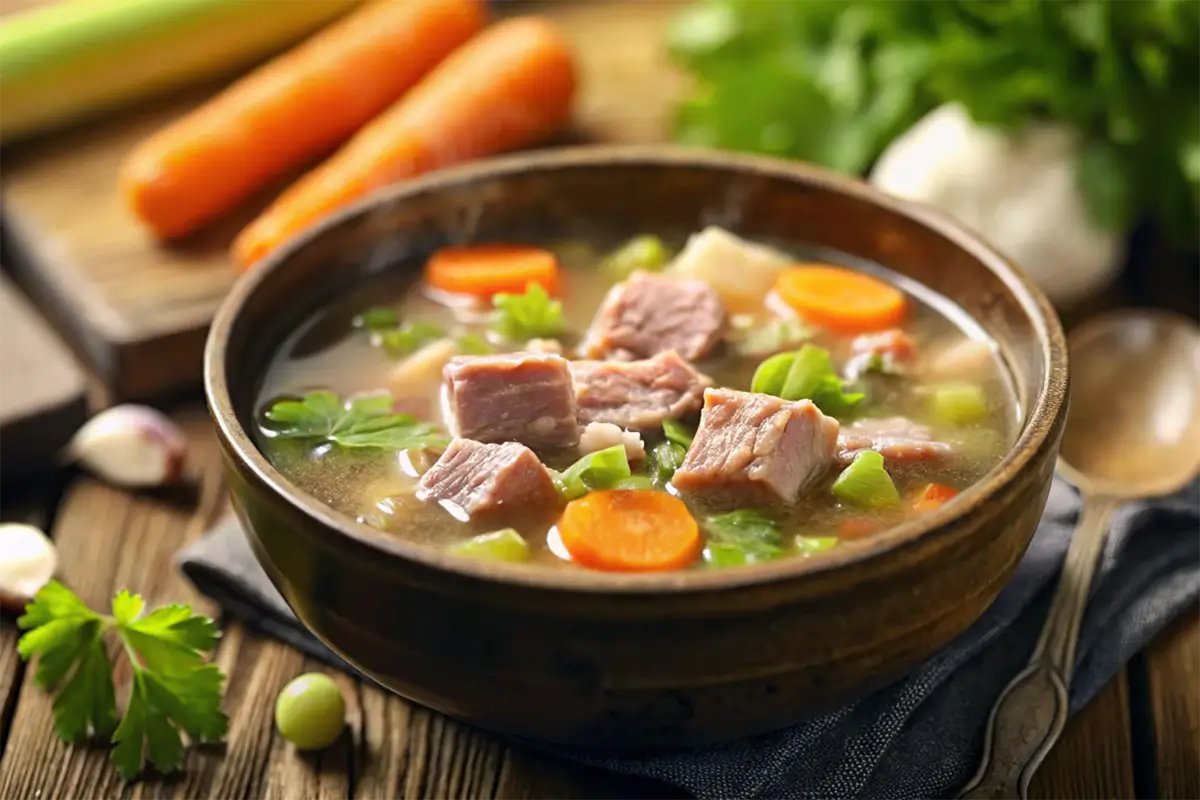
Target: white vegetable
[598,436]
[1020,192]
[131,446]
[422,367]
[552,346]
[740,272]
[27,563]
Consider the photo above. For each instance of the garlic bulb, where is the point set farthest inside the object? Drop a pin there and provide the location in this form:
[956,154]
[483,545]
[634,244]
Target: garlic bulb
[131,446]
[1020,192]
[27,563]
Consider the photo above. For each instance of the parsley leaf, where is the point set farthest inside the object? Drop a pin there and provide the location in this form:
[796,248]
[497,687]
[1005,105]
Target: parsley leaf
[744,536]
[173,689]
[377,319]
[407,338]
[532,315]
[364,421]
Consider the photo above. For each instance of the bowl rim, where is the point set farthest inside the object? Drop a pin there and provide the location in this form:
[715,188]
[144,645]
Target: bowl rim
[339,529]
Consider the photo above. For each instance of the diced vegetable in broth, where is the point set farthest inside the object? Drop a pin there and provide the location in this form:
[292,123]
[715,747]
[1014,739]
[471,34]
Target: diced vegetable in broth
[362,406]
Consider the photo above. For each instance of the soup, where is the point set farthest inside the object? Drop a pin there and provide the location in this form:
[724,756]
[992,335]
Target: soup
[646,408]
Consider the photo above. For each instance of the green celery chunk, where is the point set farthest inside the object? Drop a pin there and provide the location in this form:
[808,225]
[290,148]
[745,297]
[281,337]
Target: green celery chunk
[634,482]
[377,319]
[811,545]
[805,374]
[665,458]
[472,344]
[597,471]
[501,545]
[720,555]
[771,374]
[752,533]
[645,252]
[958,402]
[677,432]
[865,483]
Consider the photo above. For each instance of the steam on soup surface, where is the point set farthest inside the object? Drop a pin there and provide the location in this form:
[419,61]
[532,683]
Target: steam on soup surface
[638,409]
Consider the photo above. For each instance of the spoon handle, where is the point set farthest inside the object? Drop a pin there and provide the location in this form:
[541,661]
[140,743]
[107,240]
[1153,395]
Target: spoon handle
[1032,710]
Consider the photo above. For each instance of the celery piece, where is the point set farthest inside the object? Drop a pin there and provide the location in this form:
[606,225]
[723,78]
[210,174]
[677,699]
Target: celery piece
[603,469]
[377,319]
[501,545]
[811,545]
[958,402]
[634,482]
[720,555]
[645,252]
[665,458]
[865,483]
[771,374]
[677,432]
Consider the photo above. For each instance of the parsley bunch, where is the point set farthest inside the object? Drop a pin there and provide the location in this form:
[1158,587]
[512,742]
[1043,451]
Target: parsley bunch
[365,421]
[834,83]
[173,690]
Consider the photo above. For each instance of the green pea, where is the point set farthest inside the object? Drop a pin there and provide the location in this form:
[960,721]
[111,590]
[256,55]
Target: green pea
[311,712]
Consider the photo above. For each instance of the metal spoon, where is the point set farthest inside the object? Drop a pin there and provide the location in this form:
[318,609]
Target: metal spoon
[1133,431]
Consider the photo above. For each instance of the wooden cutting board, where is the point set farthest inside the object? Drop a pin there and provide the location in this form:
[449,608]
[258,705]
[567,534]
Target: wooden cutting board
[138,311]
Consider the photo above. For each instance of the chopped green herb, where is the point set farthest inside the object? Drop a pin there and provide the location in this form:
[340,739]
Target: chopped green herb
[751,532]
[677,432]
[865,483]
[365,421]
[173,689]
[664,459]
[532,315]
[472,344]
[634,482]
[811,545]
[377,319]
[958,403]
[641,252]
[501,545]
[597,471]
[407,338]
[806,373]
[776,336]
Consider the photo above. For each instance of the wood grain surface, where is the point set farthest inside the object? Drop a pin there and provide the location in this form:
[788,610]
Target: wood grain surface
[111,539]
[138,311]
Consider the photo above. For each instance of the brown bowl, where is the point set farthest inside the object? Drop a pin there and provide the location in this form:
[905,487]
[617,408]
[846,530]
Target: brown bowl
[598,658]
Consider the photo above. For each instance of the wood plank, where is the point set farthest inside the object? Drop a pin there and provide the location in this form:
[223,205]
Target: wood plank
[138,311]
[109,540]
[1094,757]
[1173,678]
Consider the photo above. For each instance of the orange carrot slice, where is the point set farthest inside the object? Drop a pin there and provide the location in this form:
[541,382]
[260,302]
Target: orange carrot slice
[296,107]
[509,87]
[488,269]
[633,530]
[840,298]
[932,497]
[859,528]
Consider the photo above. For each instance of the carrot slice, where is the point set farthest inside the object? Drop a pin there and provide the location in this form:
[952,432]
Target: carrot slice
[488,269]
[840,298]
[297,106]
[932,497]
[632,530]
[509,87]
[859,528]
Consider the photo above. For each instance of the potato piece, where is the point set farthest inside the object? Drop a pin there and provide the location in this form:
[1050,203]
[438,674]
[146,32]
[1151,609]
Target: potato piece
[422,367]
[741,272]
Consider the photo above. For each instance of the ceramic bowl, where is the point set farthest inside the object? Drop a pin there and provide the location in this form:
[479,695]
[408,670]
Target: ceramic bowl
[580,657]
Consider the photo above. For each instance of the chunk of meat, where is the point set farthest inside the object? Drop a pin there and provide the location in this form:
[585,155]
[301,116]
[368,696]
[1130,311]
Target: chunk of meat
[897,439]
[476,479]
[649,314]
[638,395]
[603,435]
[512,397]
[886,351]
[757,444]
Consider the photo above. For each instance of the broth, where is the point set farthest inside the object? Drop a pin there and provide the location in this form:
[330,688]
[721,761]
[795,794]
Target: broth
[379,486]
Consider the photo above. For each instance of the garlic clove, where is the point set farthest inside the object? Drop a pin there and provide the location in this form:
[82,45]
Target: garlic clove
[27,563]
[131,446]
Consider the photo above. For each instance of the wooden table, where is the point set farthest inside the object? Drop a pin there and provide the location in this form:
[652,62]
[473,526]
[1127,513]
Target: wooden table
[1139,737]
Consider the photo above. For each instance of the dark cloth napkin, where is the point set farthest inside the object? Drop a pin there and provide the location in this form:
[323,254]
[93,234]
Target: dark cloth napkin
[921,736]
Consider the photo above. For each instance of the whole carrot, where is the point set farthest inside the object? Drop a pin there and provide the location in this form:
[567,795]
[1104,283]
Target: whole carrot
[292,109]
[509,87]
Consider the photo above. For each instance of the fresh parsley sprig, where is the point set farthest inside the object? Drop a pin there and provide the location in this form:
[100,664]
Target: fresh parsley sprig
[527,316]
[365,421]
[174,691]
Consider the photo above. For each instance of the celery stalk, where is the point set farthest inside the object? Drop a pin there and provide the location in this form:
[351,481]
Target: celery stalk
[65,61]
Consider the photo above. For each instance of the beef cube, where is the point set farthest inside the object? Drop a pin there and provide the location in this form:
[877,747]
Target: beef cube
[897,439]
[638,395]
[477,479]
[513,397]
[649,314]
[756,444]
